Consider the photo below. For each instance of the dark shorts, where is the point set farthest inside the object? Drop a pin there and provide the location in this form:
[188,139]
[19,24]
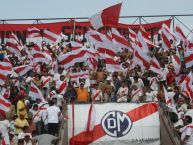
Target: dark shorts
[53,128]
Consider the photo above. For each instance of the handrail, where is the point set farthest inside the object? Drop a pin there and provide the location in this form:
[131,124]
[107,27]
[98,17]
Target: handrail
[169,128]
[83,18]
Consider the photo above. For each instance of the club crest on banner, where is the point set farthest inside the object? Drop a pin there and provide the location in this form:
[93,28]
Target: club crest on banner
[116,123]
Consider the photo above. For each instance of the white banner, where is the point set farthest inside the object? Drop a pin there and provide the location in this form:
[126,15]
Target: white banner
[114,124]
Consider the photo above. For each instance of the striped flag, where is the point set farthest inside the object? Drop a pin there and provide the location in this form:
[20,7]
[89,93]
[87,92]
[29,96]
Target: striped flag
[75,45]
[155,66]
[4,104]
[33,32]
[112,65]
[106,17]
[120,41]
[34,92]
[50,36]
[179,34]
[23,69]
[142,59]
[188,58]
[80,55]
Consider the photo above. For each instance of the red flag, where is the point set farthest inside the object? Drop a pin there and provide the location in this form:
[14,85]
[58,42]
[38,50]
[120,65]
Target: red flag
[107,17]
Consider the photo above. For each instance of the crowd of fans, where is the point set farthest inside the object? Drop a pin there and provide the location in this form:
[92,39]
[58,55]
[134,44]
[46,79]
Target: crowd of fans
[31,120]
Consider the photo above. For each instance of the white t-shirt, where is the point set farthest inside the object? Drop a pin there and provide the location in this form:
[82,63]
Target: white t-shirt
[139,83]
[52,114]
[44,81]
[4,125]
[187,130]
[37,116]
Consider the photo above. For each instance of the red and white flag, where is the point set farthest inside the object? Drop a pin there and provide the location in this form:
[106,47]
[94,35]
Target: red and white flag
[120,41]
[33,32]
[187,94]
[179,34]
[141,42]
[107,17]
[187,84]
[166,45]
[112,65]
[92,63]
[80,55]
[5,68]
[23,69]
[155,66]
[50,36]
[41,57]
[4,104]
[142,59]
[190,46]
[35,93]
[146,38]
[188,58]
[13,47]
[75,45]
[102,43]
[132,36]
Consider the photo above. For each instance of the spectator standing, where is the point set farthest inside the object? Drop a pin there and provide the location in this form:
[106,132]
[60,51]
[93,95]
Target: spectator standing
[53,113]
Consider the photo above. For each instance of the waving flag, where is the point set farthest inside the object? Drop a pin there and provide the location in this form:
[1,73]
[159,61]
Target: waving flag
[69,59]
[188,58]
[75,45]
[4,104]
[155,66]
[179,34]
[33,32]
[120,41]
[187,84]
[107,17]
[146,37]
[142,59]
[23,69]
[141,42]
[50,36]
[34,92]
[132,35]
[113,66]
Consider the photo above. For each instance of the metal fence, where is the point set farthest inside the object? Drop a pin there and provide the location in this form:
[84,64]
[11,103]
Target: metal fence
[136,20]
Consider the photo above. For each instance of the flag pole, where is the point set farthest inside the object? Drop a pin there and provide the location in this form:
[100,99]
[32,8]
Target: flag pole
[74,27]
